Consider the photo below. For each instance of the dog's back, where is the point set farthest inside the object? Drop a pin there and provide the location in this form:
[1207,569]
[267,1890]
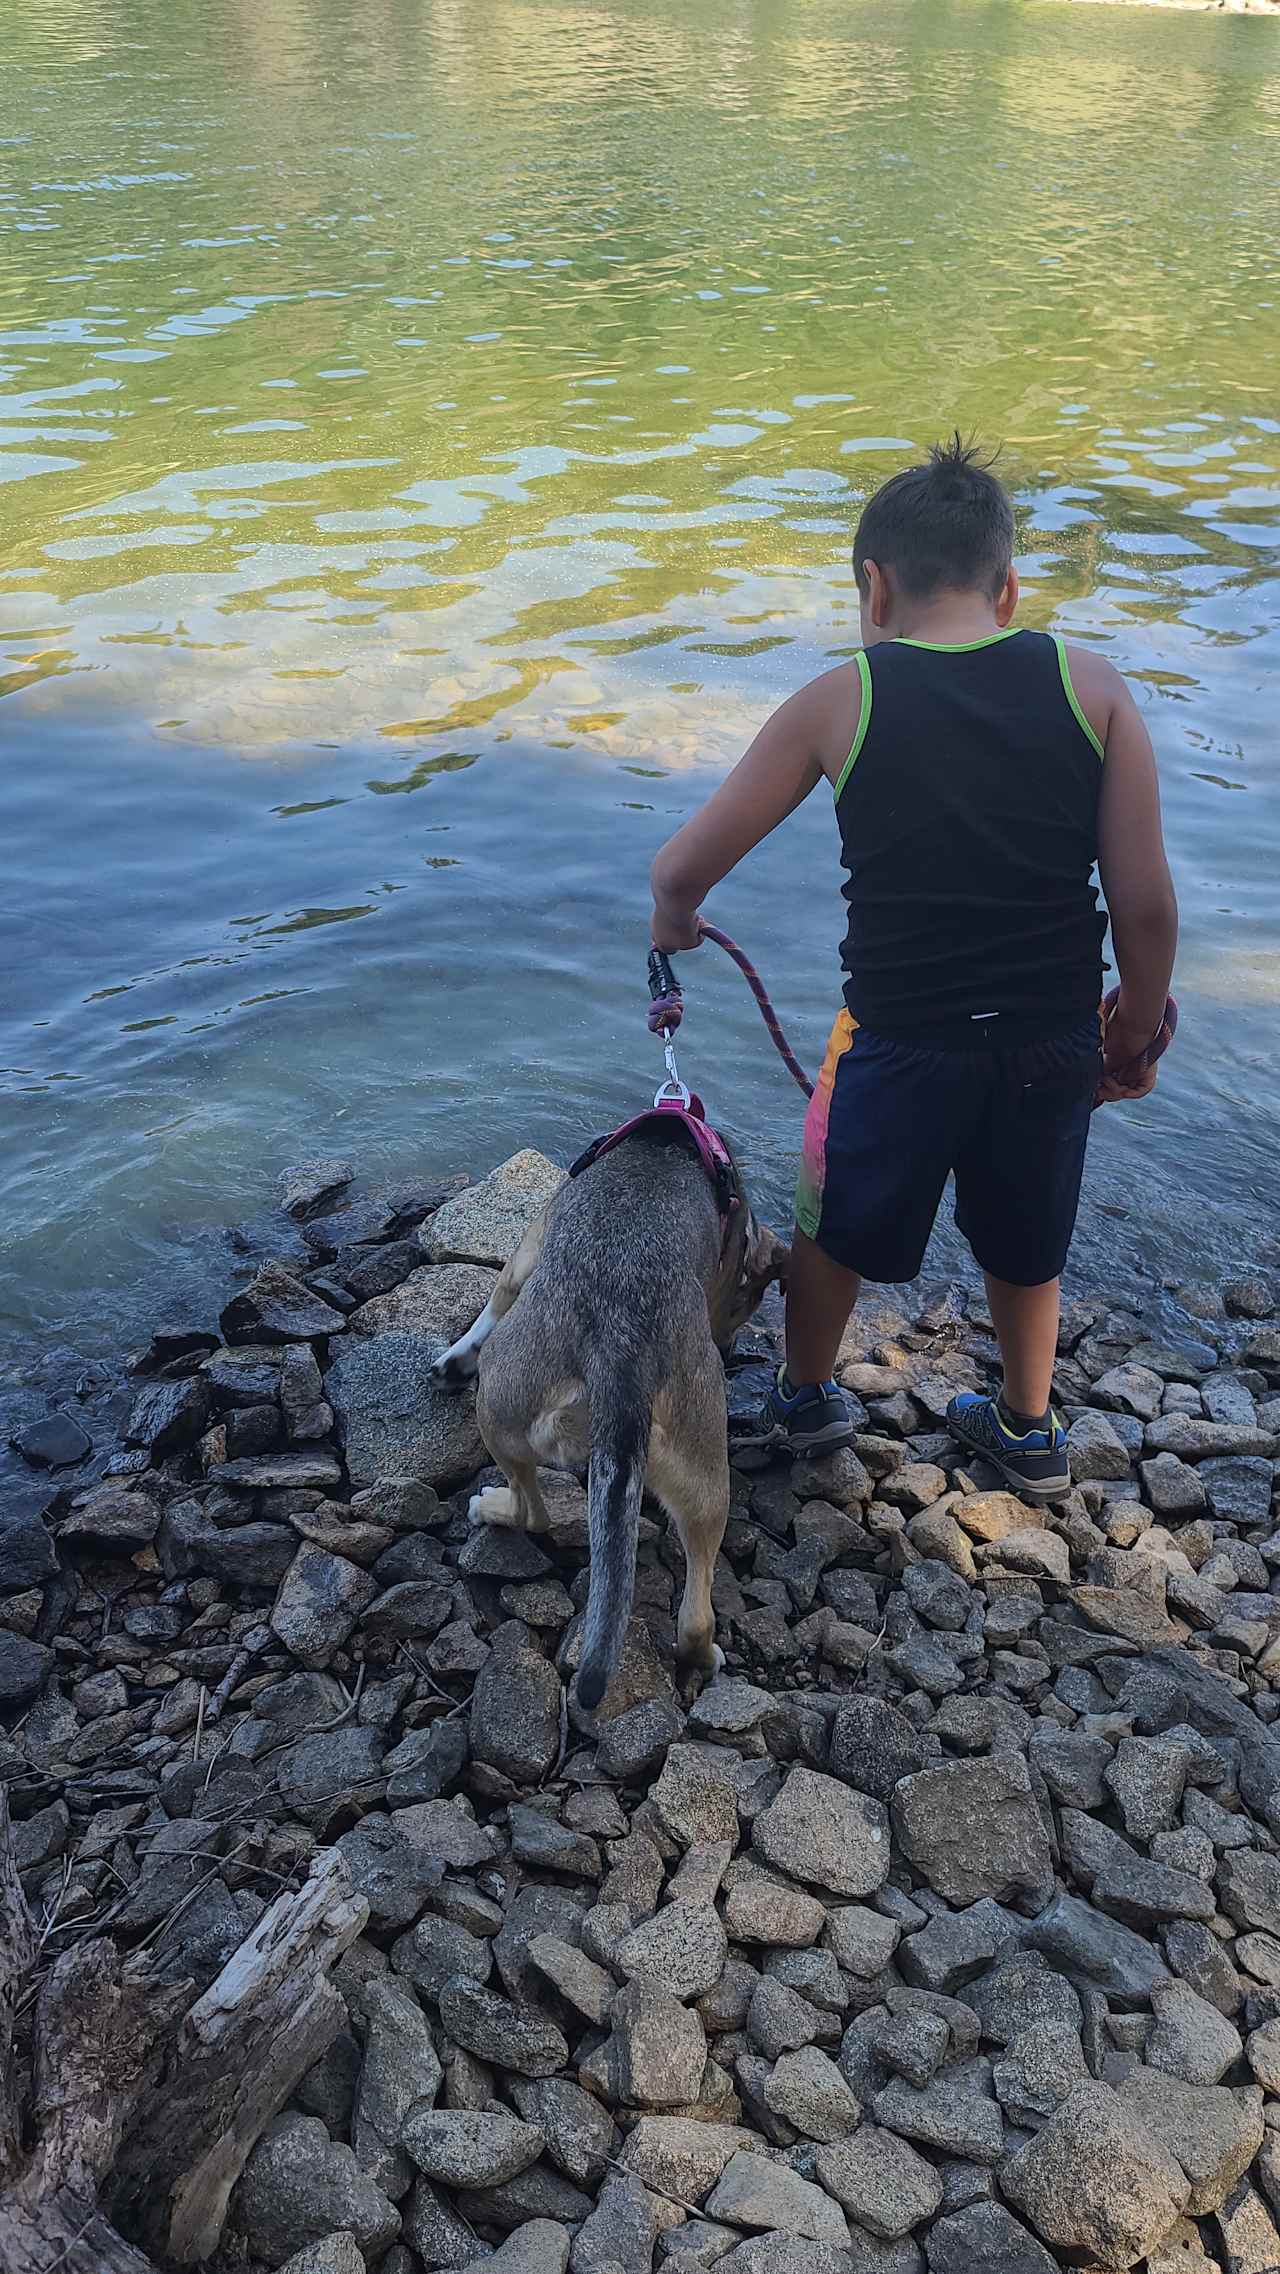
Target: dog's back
[614,1313]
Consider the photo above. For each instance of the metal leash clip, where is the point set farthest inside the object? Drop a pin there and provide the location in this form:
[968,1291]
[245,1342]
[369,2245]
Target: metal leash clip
[672,1091]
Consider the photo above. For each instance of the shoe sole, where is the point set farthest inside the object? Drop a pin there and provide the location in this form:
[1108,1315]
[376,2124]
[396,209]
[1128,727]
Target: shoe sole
[1056,1488]
[833,1439]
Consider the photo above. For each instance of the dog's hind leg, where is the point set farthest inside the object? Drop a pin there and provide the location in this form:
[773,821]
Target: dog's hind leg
[517,1505]
[689,1473]
[460,1363]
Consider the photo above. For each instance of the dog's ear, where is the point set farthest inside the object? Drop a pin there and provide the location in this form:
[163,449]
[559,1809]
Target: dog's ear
[766,1257]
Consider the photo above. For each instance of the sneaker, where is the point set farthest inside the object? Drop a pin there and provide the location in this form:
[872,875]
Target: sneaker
[812,1419]
[1035,1463]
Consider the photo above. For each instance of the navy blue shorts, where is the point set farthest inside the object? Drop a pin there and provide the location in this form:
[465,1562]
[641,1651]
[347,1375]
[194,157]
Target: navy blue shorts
[889,1121]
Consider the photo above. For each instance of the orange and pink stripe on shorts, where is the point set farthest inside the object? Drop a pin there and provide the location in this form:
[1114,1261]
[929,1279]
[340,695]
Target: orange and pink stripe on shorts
[813,1163]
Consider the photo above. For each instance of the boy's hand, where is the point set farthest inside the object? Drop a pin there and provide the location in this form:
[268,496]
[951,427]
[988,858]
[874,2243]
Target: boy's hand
[1122,1076]
[673,930]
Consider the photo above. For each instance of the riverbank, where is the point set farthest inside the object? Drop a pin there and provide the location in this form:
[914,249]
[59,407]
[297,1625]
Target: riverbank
[946,1921]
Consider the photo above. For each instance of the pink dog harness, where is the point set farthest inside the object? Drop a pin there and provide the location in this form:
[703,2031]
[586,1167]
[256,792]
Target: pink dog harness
[664,1119]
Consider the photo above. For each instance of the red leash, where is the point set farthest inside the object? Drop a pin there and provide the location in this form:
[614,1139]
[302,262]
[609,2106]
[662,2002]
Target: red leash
[666,1008]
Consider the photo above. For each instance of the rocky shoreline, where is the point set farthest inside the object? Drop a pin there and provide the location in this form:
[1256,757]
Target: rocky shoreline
[942,1931]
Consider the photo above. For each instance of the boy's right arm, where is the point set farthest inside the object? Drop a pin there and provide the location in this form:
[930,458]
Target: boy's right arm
[1135,878]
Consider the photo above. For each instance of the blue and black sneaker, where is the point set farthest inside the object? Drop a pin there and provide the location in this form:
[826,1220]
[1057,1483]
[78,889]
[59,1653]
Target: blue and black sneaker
[1033,1461]
[812,1419]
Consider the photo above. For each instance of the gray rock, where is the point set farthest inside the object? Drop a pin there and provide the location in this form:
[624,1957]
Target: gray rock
[1142,1892]
[459,2148]
[584,1985]
[438,2234]
[1191,2039]
[113,1516]
[448,1831]
[753,2193]
[763,1907]
[1043,2064]
[437,1952]
[683,1947]
[984,2238]
[303,1190]
[681,2157]
[167,1416]
[1023,1992]
[299,2186]
[954,2114]
[1172,1487]
[400,2072]
[320,1599]
[913,2044]
[1096,2182]
[1239,1490]
[486,1223]
[1212,2132]
[498,2032]
[538,2193]
[540,2246]
[24,1668]
[658,2048]
[819,1830]
[883,2184]
[580,2134]
[873,1745]
[390,1414]
[1146,1779]
[1250,2243]
[515,1714]
[973,1829]
[621,2230]
[636,1743]
[1075,1937]
[425,1763]
[779,2020]
[860,1940]
[1095,1450]
[1249,1889]
[956,1946]
[334,2254]
[1195,1440]
[807,2090]
[694,1797]
[27,1556]
[55,1441]
[1198,1958]
[326,1774]
[532,1912]
[277,1306]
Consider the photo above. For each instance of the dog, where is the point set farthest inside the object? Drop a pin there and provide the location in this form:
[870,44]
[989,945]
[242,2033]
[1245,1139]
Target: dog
[601,1344]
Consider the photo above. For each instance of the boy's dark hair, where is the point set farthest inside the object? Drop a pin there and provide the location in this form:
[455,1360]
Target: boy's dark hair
[944,526]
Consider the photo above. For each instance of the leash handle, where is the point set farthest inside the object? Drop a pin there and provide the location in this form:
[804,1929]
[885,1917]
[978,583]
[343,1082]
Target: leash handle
[1157,1046]
[666,999]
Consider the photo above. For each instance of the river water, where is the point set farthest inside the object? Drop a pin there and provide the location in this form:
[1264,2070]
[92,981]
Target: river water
[432,435]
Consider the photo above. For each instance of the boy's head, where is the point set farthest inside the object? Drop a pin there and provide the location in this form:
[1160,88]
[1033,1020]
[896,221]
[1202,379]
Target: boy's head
[944,527]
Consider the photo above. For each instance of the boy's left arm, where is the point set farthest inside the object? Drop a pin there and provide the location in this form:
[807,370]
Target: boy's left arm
[787,759]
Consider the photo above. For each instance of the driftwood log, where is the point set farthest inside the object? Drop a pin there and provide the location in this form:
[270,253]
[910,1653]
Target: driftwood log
[142,2108]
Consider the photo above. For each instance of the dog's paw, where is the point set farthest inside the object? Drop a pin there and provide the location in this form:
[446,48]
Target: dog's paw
[693,1675]
[454,1370]
[495,1505]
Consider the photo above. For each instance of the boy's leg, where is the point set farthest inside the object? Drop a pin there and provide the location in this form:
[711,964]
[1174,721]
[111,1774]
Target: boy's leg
[1026,1324]
[1017,1189]
[820,1296]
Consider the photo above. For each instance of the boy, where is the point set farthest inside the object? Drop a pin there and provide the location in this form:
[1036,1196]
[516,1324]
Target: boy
[979,773]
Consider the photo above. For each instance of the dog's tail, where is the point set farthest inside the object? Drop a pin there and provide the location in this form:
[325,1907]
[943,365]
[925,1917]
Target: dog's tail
[621,1413]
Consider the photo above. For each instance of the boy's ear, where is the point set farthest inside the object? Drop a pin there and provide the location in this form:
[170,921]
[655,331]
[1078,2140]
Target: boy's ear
[1007,599]
[879,599]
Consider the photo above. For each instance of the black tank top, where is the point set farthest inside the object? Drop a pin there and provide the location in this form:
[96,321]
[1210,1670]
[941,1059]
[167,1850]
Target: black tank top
[968,812]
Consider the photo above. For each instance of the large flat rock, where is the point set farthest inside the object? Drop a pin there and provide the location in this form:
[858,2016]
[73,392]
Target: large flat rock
[486,1223]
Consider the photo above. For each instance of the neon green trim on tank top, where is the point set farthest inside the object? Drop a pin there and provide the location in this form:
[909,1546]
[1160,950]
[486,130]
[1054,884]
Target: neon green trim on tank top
[1072,697]
[961,647]
[864,721]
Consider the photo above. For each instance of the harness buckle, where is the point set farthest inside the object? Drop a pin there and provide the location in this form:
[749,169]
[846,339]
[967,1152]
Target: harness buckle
[672,1091]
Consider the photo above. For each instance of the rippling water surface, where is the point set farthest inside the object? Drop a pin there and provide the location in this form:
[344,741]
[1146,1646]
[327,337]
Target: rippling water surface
[431,440]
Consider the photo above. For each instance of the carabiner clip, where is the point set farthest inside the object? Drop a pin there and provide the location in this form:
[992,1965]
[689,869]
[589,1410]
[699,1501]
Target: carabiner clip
[672,1091]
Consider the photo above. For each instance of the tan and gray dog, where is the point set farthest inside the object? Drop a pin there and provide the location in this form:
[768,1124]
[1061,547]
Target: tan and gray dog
[628,1288]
